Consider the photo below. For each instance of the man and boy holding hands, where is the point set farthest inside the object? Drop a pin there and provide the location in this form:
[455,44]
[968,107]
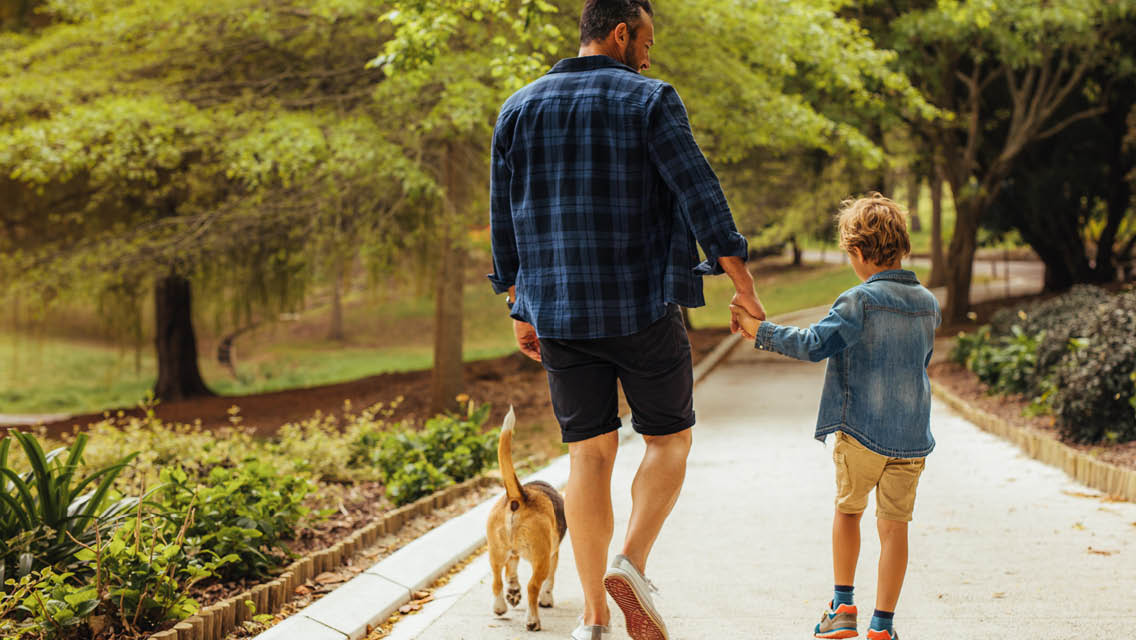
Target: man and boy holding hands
[599,194]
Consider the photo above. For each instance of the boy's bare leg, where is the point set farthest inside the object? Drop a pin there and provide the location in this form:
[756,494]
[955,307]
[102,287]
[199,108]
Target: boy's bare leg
[587,507]
[845,546]
[654,493]
[893,563]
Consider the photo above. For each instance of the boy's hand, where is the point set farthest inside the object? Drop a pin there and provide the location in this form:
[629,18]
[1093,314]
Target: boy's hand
[745,321]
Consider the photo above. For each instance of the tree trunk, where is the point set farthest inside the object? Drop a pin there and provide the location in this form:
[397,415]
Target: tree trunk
[178,375]
[914,182]
[335,324]
[960,260]
[796,250]
[1119,197]
[938,267]
[447,380]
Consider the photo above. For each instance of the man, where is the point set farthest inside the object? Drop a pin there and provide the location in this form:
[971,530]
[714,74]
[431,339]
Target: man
[599,193]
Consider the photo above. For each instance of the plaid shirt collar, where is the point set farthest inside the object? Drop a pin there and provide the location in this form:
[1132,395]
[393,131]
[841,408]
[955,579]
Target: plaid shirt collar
[588,63]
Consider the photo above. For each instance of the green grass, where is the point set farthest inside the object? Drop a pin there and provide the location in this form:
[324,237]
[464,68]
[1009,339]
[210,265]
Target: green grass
[787,291]
[386,333]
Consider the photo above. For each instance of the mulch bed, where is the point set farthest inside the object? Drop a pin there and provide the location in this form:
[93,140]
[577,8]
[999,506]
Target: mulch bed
[510,380]
[967,386]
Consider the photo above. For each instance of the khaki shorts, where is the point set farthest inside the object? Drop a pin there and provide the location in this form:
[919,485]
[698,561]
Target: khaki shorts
[859,470]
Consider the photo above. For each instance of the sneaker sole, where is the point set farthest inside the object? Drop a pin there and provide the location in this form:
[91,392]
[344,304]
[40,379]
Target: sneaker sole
[641,624]
[844,633]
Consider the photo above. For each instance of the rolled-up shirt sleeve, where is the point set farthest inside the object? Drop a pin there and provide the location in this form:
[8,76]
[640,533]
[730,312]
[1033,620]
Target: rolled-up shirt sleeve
[701,203]
[837,331]
[505,259]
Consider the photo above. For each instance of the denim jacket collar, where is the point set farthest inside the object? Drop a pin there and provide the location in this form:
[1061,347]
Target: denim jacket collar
[588,63]
[898,275]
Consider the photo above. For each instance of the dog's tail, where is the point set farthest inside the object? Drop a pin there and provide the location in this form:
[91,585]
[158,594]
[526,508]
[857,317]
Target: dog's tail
[505,460]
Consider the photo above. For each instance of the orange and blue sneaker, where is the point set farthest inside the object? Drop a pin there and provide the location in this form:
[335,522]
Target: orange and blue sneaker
[882,634]
[839,623]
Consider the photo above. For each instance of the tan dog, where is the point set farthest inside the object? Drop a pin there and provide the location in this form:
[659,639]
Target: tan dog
[527,522]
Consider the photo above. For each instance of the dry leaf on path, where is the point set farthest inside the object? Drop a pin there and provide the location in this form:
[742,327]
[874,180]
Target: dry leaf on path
[1101,552]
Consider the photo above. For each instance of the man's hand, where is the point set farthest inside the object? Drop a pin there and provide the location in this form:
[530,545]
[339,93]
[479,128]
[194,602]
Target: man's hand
[526,339]
[751,305]
[746,322]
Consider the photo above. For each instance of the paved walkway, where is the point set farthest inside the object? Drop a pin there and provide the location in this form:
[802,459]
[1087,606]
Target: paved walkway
[1002,546]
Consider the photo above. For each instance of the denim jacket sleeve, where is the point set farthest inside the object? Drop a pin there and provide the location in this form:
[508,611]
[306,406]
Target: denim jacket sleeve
[834,333]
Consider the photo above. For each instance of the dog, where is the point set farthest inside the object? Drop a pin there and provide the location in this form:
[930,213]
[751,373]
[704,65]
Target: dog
[527,522]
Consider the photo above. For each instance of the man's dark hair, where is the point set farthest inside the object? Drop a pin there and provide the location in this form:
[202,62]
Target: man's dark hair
[600,17]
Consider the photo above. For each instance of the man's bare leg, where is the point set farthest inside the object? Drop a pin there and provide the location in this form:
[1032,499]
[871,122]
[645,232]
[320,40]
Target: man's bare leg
[587,507]
[654,493]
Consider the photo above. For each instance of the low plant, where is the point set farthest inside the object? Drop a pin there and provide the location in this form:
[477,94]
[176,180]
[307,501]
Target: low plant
[50,510]
[245,511]
[45,604]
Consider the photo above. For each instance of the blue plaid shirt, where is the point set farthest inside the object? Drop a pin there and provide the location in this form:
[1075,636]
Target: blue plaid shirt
[599,193]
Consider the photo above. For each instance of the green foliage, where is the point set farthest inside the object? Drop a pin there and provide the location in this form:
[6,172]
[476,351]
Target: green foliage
[48,512]
[244,513]
[143,576]
[1074,353]
[45,604]
[448,449]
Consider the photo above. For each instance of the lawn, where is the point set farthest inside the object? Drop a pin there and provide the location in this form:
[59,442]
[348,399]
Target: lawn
[389,332]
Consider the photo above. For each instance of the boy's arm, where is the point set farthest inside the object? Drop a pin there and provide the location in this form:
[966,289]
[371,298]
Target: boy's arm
[834,333]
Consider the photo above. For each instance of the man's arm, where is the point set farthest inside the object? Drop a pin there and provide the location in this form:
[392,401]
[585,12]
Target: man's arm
[688,175]
[745,295]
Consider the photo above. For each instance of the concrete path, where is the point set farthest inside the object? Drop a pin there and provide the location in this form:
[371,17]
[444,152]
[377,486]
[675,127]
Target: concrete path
[1001,547]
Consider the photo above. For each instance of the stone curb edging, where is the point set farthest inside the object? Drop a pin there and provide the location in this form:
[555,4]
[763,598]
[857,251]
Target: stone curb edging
[218,620]
[354,608]
[1103,476]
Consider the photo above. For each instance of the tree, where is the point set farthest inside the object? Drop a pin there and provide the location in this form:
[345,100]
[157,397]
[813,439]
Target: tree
[220,152]
[964,55]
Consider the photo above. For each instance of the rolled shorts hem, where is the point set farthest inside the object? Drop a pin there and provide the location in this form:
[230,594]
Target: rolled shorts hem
[578,436]
[669,430]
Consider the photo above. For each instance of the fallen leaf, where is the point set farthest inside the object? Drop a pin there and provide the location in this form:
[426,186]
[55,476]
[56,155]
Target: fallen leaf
[1078,526]
[328,577]
[1082,494]
[1101,552]
[303,590]
[999,595]
[418,595]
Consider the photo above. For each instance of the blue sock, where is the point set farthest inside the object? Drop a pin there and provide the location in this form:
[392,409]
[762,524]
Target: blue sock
[842,594]
[882,620]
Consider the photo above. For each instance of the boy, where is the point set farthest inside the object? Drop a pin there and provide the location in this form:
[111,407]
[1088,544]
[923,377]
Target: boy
[876,399]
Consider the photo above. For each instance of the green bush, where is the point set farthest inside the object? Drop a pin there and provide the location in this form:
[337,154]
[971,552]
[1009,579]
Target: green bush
[45,604]
[1075,353]
[1093,383]
[246,512]
[144,577]
[48,512]
[450,448]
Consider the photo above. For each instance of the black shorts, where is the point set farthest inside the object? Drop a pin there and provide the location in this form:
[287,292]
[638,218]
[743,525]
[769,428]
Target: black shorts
[653,365]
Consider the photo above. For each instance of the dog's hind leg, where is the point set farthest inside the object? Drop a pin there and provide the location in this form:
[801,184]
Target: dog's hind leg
[550,581]
[497,563]
[513,595]
[540,567]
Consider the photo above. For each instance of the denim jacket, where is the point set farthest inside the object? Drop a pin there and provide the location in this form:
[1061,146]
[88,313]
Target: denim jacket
[878,337]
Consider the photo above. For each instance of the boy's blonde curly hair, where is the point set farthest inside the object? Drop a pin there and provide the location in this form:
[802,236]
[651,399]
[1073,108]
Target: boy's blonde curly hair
[877,227]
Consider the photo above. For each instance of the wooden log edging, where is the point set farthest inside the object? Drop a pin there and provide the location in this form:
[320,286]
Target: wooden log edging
[1082,467]
[219,619]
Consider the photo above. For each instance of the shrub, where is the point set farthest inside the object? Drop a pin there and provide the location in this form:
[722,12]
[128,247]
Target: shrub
[143,578]
[1006,364]
[1093,384]
[242,512]
[44,604]
[48,512]
[450,448]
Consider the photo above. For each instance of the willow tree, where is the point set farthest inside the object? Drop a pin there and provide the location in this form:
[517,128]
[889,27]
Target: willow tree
[146,147]
[449,66]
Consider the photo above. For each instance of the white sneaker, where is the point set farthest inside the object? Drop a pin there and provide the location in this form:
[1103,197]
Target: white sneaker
[632,592]
[590,631]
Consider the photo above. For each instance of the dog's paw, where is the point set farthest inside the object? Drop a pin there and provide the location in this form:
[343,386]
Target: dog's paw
[546,599]
[499,607]
[513,596]
[533,623]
